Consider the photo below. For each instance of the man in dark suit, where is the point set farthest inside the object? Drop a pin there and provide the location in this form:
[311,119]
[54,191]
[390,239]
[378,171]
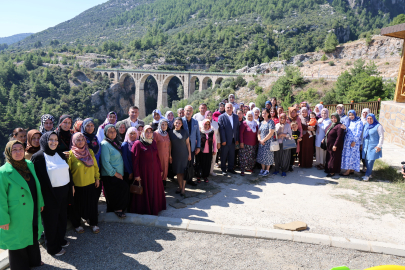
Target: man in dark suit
[228,124]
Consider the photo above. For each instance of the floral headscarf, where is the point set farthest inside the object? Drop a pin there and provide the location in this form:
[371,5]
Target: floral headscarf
[82,154]
[160,130]
[202,126]
[128,140]
[107,121]
[143,138]
[43,120]
[170,119]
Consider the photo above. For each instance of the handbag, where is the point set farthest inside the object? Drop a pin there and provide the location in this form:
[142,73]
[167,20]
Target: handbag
[323,144]
[289,144]
[134,189]
[189,170]
[274,146]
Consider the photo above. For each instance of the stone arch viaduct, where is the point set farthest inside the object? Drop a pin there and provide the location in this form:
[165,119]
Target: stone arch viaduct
[163,78]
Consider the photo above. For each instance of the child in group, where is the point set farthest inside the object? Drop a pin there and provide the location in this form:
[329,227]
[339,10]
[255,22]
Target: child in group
[312,122]
[296,135]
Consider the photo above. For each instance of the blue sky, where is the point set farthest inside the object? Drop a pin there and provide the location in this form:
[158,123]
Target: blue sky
[31,16]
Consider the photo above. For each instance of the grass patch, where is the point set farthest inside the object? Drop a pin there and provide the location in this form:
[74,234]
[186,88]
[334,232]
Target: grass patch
[383,194]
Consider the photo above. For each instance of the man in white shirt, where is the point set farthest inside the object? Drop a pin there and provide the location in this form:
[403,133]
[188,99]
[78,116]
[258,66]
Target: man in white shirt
[201,115]
[180,112]
[132,120]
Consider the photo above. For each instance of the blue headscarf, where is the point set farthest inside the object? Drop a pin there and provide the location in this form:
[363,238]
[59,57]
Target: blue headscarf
[92,141]
[356,118]
[368,126]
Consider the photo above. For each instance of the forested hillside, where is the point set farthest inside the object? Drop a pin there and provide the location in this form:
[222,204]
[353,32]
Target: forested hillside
[228,33]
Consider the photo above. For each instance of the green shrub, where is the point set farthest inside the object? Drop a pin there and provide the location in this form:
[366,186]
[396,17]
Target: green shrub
[251,85]
[311,61]
[331,63]
[324,57]
[258,90]
[300,64]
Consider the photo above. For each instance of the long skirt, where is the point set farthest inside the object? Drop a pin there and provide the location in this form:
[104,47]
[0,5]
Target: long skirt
[282,159]
[247,157]
[85,205]
[306,155]
[333,161]
[204,162]
[116,192]
[320,156]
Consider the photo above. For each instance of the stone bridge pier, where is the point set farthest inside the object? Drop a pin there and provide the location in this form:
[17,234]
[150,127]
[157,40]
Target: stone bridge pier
[163,77]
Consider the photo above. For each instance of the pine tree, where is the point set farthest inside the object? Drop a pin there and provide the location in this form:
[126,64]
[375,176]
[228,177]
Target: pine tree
[331,42]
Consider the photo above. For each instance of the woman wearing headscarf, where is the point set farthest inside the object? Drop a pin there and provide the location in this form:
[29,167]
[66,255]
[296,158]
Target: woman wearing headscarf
[306,154]
[122,131]
[340,110]
[112,171]
[293,117]
[148,171]
[304,104]
[47,123]
[170,119]
[351,148]
[248,143]
[77,126]
[162,139]
[208,149]
[126,147]
[251,105]
[364,114]
[111,119]
[32,143]
[21,204]
[256,114]
[88,129]
[334,138]
[181,152]
[373,139]
[157,115]
[64,132]
[86,179]
[282,157]
[318,110]
[215,127]
[320,154]
[57,189]
[220,111]
[20,135]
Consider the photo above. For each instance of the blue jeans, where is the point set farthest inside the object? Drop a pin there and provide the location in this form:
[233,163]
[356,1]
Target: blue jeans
[370,165]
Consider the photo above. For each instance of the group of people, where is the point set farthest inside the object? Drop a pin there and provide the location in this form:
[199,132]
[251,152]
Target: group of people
[59,171]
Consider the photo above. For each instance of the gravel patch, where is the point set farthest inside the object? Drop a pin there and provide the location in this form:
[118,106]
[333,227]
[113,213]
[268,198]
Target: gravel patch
[127,246]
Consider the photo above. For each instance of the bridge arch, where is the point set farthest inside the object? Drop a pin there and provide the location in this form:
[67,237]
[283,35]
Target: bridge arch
[193,81]
[205,83]
[218,80]
[164,93]
[112,76]
[105,74]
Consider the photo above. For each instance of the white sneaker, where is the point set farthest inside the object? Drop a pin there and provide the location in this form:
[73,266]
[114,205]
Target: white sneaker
[213,174]
[365,178]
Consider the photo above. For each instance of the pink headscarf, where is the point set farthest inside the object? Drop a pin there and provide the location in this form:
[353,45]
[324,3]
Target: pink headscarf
[131,143]
[206,113]
[82,154]
[202,126]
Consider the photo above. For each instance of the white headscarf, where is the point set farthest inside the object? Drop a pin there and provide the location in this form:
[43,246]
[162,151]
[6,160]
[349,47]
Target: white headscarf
[320,107]
[161,116]
[250,105]
[251,124]
[170,122]
[202,126]
[364,120]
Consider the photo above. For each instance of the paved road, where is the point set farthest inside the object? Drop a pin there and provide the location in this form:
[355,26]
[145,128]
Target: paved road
[126,246]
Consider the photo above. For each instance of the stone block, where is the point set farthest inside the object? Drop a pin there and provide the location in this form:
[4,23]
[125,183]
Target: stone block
[274,234]
[190,201]
[387,115]
[146,220]
[178,205]
[172,223]
[398,123]
[292,226]
[205,227]
[387,129]
[400,116]
[393,115]
[387,248]
[350,243]
[239,231]
[312,238]
[403,111]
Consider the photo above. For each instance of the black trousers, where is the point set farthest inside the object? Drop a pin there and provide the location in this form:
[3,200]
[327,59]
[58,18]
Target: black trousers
[84,206]
[192,160]
[228,155]
[25,258]
[54,218]
[204,162]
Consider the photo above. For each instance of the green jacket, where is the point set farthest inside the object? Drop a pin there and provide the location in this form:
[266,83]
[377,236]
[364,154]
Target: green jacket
[16,208]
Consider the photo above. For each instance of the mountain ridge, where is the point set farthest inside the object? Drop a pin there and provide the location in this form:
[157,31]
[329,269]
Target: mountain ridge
[14,38]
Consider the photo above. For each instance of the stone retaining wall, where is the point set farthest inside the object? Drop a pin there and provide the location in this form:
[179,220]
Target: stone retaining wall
[392,118]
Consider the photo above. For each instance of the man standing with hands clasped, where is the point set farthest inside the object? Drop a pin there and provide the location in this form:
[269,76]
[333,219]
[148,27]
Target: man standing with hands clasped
[192,127]
[229,131]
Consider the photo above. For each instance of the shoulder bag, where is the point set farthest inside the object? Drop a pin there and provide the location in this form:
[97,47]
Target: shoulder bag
[189,171]
[289,144]
[274,146]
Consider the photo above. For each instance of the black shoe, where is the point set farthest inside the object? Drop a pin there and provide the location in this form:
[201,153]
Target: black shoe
[191,183]
[232,171]
[290,169]
[330,175]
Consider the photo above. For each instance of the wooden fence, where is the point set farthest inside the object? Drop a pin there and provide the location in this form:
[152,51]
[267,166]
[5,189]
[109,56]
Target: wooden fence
[374,107]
